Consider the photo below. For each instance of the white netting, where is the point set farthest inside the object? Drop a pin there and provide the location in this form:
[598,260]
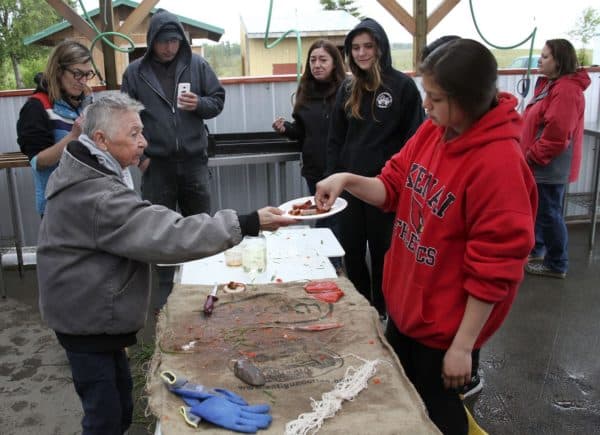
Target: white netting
[331,402]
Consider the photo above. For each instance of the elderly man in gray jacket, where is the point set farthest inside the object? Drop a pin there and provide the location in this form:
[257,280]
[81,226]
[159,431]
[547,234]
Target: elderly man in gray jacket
[96,242]
[174,165]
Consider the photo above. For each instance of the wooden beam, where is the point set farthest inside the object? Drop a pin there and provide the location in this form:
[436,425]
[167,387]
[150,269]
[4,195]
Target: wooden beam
[137,16]
[440,12]
[78,23]
[400,14]
[109,53]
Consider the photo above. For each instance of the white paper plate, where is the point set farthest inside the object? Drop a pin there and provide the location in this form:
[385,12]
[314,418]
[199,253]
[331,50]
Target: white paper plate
[338,206]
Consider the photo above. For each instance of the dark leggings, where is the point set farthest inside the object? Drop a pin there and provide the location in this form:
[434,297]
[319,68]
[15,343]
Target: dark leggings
[423,366]
[330,222]
[361,226]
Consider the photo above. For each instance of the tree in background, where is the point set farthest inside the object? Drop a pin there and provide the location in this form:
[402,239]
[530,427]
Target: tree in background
[225,58]
[344,5]
[586,28]
[18,19]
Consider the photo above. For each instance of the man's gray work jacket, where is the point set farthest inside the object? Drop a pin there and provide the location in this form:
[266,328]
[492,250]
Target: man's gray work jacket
[97,240]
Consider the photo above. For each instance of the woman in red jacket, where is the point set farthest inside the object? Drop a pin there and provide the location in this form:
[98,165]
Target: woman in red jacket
[464,202]
[551,141]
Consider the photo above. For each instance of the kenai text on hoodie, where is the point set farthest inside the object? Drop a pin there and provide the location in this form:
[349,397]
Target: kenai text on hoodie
[465,211]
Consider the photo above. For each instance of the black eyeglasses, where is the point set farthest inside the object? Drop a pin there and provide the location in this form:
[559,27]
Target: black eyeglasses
[78,74]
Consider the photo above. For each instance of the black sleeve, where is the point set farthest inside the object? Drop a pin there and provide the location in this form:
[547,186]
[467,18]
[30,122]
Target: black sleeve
[212,98]
[249,224]
[413,114]
[34,130]
[294,130]
[338,128]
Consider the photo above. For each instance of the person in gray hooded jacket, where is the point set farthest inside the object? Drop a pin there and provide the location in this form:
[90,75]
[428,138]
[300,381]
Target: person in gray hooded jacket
[174,165]
[96,242]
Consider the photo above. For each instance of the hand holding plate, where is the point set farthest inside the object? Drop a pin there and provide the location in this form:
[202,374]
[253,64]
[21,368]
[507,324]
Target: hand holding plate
[271,218]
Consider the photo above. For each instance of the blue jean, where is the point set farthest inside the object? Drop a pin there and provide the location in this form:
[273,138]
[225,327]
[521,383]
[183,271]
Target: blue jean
[104,385]
[551,235]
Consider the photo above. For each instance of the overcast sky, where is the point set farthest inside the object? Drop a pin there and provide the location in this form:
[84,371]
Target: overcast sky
[502,22]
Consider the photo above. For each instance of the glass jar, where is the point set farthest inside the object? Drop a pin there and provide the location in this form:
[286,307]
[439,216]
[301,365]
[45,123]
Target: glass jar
[254,254]
[233,256]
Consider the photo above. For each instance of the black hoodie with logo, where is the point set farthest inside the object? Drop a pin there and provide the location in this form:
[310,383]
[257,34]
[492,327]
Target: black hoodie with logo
[390,115]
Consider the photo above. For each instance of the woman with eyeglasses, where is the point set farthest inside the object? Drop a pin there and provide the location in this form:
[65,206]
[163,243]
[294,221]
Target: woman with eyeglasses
[50,118]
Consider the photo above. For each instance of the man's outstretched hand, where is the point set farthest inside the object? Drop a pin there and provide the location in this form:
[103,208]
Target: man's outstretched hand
[271,218]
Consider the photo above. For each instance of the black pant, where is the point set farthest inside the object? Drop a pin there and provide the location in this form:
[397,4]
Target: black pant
[360,225]
[177,183]
[330,222]
[104,385]
[423,366]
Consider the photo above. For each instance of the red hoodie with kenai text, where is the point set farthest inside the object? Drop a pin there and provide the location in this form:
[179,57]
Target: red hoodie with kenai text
[465,212]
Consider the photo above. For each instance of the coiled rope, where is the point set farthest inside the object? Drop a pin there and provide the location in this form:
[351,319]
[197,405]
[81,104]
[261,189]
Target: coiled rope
[355,380]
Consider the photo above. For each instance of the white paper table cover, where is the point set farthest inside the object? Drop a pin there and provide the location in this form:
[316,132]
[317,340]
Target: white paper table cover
[293,254]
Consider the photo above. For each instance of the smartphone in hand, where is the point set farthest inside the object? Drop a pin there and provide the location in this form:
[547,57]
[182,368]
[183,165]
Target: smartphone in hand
[181,88]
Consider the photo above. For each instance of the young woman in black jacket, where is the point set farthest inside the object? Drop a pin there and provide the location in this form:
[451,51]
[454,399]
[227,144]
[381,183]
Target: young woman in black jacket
[312,111]
[376,111]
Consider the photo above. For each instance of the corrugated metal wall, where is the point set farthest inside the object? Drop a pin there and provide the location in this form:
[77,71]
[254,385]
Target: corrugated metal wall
[250,106]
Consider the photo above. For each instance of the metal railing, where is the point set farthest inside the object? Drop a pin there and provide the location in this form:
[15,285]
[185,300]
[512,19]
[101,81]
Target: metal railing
[244,182]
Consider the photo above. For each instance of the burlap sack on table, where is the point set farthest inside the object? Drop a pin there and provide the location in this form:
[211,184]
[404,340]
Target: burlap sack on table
[261,324]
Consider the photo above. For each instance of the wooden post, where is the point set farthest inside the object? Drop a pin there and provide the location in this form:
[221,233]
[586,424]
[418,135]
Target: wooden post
[106,13]
[109,54]
[418,25]
[420,35]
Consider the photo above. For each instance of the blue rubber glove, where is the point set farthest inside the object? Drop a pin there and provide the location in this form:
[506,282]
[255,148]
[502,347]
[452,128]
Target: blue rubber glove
[185,389]
[224,413]
[217,405]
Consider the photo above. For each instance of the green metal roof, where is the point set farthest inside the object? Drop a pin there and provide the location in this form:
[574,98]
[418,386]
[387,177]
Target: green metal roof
[65,24]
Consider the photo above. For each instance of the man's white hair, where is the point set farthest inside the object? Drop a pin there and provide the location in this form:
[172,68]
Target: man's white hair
[104,113]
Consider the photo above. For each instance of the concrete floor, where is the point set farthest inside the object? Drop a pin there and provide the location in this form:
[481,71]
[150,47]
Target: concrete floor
[541,370]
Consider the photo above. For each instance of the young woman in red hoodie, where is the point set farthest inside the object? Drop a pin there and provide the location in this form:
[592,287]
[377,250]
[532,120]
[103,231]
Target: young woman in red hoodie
[464,200]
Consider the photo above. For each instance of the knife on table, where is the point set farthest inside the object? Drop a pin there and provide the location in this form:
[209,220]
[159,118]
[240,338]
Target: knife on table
[209,305]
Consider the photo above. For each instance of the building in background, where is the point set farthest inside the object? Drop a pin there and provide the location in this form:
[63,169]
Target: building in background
[281,59]
[52,35]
